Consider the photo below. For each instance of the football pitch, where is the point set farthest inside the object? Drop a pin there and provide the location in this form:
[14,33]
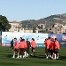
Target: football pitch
[39,60]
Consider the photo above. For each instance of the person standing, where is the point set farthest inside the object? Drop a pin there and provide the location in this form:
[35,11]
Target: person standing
[28,46]
[12,42]
[57,48]
[33,45]
[21,47]
[16,48]
[45,46]
[25,49]
[48,44]
[52,48]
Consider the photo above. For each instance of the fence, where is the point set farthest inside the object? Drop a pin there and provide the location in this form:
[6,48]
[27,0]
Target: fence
[39,37]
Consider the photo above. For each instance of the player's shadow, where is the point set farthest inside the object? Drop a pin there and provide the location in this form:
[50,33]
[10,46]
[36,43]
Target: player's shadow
[9,56]
[62,58]
[43,57]
[39,56]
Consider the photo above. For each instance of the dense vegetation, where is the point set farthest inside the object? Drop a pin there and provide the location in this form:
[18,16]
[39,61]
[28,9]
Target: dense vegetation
[49,21]
[4,23]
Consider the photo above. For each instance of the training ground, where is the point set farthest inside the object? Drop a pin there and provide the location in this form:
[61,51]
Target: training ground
[39,60]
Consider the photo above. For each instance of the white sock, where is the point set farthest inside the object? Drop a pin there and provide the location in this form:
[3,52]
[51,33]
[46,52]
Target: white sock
[20,56]
[25,53]
[47,57]
[55,56]
[13,56]
[23,56]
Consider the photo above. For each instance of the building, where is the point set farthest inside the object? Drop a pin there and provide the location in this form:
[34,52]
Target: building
[30,30]
[15,26]
[41,26]
[59,28]
[56,25]
[64,27]
[26,30]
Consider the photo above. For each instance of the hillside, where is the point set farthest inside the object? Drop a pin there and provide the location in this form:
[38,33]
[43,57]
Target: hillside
[49,21]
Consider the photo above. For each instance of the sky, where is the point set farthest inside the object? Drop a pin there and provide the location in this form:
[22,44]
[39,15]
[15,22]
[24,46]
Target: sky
[19,10]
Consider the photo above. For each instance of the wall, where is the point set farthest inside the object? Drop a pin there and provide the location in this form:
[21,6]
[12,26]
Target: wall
[39,37]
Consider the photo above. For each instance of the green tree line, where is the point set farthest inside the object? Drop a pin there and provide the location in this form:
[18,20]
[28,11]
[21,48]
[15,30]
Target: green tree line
[4,23]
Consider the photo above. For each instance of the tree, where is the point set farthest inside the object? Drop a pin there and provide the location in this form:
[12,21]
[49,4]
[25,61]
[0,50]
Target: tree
[34,28]
[4,24]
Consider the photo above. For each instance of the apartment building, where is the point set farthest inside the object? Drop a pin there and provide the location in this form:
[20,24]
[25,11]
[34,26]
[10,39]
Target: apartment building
[15,26]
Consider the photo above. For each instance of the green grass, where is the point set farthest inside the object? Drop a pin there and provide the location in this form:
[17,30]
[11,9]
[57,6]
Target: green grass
[39,60]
